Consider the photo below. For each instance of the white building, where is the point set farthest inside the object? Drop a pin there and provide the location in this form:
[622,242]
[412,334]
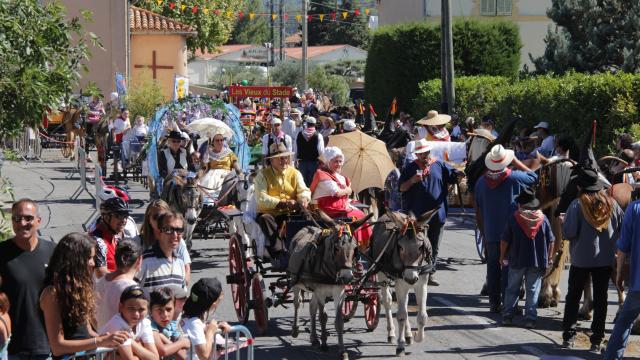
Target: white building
[203,64]
[529,15]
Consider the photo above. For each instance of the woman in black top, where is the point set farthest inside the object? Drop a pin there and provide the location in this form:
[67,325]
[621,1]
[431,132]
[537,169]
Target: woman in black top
[67,300]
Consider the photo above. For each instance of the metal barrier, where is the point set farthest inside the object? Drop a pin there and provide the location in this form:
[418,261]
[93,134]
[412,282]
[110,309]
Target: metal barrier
[97,354]
[27,145]
[240,342]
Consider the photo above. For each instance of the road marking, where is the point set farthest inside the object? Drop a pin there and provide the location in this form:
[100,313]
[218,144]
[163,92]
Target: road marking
[533,350]
[489,325]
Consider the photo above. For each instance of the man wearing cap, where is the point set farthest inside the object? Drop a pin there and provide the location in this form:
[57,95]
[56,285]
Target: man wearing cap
[424,186]
[292,124]
[276,136]
[174,156]
[309,146]
[548,145]
[279,189]
[495,193]
[432,129]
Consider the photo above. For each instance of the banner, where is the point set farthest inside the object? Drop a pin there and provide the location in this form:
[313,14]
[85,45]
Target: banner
[121,88]
[455,152]
[261,91]
[180,87]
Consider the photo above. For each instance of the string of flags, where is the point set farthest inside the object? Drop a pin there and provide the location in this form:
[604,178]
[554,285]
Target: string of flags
[334,15]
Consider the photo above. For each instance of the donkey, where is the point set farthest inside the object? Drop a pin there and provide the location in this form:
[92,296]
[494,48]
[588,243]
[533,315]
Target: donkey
[322,263]
[181,192]
[400,247]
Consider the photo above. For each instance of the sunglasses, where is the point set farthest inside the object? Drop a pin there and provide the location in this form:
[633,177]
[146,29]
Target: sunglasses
[171,230]
[19,218]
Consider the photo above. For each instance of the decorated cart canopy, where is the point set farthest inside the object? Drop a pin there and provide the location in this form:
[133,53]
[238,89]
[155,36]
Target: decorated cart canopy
[191,109]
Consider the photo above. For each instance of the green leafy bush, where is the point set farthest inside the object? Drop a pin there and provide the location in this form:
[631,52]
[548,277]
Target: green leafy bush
[144,96]
[569,103]
[402,56]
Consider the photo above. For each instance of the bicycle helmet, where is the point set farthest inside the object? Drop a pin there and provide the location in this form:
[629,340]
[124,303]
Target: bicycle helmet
[106,193]
[114,206]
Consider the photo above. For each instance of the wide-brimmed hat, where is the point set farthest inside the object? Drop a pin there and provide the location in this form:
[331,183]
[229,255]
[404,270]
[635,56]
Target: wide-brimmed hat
[433,119]
[588,179]
[483,133]
[174,134]
[278,150]
[349,125]
[422,146]
[295,111]
[542,125]
[498,158]
[527,199]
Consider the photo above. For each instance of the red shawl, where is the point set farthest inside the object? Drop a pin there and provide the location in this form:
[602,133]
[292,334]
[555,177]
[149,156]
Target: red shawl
[529,221]
[494,179]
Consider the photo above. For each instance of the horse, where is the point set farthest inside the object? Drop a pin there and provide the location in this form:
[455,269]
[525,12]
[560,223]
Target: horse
[399,246]
[181,192]
[73,127]
[322,263]
[100,133]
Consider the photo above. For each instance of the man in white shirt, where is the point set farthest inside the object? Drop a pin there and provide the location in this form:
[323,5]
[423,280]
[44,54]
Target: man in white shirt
[276,136]
[292,124]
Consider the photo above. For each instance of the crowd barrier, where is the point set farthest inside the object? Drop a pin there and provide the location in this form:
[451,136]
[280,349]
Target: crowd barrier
[27,145]
[242,339]
[97,354]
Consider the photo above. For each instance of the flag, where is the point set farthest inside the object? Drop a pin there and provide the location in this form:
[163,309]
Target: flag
[180,86]
[345,14]
[321,17]
[394,107]
[121,88]
[372,111]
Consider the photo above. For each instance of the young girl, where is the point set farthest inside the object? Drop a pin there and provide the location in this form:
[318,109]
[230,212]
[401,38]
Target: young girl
[205,296]
[5,325]
[132,318]
[167,336]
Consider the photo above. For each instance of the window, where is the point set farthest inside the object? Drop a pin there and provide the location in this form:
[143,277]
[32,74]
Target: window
[495,7]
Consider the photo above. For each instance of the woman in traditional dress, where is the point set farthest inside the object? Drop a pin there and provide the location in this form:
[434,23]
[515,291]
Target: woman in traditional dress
[219,161]
[331,190]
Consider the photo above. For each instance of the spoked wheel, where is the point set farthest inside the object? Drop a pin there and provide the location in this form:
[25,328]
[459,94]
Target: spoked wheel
[260,312]
[238,278]
[480,245]
[349,306]
[372,306]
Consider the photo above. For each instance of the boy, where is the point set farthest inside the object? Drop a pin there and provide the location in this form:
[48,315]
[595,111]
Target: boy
[527,248]
[132,317]
[166,333]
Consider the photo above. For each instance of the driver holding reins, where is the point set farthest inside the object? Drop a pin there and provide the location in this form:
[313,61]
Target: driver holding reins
[279,189]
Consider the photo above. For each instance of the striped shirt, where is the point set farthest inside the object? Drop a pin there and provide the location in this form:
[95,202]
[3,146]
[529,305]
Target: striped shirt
[158,271]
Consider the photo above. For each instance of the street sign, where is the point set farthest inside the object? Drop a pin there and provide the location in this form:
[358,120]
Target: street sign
[261,91]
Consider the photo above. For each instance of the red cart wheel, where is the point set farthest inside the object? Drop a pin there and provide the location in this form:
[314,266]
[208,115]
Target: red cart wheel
[238,278]
[260,312]
[348,306]
[372,306]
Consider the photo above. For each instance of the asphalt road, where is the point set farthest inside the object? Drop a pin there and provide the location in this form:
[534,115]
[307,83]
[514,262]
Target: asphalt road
[459,325]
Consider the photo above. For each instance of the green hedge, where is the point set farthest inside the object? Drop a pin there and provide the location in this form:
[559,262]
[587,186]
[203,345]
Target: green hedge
[402,56]
[570,103]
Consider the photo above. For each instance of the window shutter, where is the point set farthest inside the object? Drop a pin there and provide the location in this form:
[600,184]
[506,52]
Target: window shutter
[488,7]
[503,7]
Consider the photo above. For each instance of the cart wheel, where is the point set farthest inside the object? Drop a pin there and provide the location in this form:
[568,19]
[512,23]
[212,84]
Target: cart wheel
[260,312]
[480,245]
[238,270]
[372,306]
[348,306]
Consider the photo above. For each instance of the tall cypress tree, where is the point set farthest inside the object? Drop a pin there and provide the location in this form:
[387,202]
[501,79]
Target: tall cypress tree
[354,30]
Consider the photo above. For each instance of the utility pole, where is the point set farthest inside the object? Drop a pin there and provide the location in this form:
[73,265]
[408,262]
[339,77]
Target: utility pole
[305,31]
[273,31]
[446,60]
[282,30]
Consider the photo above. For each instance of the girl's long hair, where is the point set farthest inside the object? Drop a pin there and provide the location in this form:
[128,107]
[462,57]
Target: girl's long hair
[146,231]
[72,280]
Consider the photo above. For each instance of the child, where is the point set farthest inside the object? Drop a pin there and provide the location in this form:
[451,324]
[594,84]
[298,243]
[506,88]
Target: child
[527,243]
[167,336]
[132,318]
[205,296]
[5,325]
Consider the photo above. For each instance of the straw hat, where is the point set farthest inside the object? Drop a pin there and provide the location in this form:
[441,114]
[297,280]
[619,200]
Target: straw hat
[422,146]
[498,158]
[278,150]
[433,119]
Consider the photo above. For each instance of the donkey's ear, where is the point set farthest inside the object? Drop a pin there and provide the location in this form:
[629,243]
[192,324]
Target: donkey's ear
[394,217]
[326,218]
[426,217]
[356,224]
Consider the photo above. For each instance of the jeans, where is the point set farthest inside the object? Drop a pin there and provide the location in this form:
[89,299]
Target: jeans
[308,169]
[496,276]
[622,328]
[434,234]
[533,281]
[577,277]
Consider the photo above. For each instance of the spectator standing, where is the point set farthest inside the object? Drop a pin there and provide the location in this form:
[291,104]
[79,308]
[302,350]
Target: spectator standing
[309,146]
[5,325]
[121,125]
[591,225]
[276,136]
[548,145]
[292,124]
[23,261]
[114,214]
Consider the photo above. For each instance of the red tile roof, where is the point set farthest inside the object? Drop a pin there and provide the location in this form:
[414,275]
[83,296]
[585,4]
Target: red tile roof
[145,21]
[221,50]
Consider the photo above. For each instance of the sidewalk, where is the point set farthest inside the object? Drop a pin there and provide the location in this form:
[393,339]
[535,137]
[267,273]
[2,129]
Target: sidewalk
[47,184]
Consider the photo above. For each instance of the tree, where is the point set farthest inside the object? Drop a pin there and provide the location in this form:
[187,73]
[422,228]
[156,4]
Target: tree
[335,86]
[591,36]
[41,56]
[287,74]
[251,31]
[349,69]
[144,95]
[254,75]
[212,19]
[353,31]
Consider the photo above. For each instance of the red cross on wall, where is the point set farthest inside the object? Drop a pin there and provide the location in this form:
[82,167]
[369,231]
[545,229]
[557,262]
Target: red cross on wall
[153,65]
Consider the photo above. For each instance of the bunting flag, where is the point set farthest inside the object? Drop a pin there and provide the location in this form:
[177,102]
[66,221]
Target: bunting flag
[298,18]
[183,6]
[194,9]
[274,16]
[333,15]
[366,11]
[321,17]
[240,14]
[356,12]
[251,15]
[285,16]
[172,5]
[229,14]
[345,14]
[205,10]
[394,106]
[159,2]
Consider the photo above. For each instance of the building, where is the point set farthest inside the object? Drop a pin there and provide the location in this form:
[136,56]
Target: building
[530,15]
[208,64]
[135,41]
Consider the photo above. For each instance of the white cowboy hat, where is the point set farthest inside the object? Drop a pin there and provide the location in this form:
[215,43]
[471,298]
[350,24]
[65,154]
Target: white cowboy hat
[498,158]
[433,119]
[349,125]
[422,146]
[542,125]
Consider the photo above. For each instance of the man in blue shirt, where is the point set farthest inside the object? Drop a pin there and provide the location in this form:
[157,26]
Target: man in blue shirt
[628,244]
[495,194]
[424,186]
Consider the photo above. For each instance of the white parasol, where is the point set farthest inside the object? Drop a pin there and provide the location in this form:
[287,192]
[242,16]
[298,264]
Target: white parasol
[211,127]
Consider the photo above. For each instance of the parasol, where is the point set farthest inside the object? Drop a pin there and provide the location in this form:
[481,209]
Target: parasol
[367,162]
[211,127]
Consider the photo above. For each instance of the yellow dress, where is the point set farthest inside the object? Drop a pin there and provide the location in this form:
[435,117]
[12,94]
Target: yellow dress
[218,167]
